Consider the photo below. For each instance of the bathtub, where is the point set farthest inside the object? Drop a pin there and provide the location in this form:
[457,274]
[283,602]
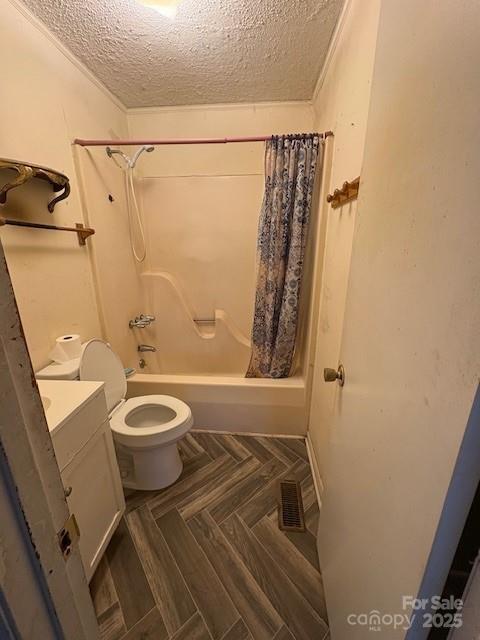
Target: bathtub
[232,403]
[196,360]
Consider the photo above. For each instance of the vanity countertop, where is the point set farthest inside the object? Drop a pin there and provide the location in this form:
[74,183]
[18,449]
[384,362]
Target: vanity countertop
[62,399]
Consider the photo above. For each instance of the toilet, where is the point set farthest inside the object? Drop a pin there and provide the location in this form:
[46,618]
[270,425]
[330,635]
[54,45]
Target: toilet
[145,429]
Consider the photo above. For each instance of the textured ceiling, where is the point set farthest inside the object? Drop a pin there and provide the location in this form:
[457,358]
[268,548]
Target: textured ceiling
[214,51]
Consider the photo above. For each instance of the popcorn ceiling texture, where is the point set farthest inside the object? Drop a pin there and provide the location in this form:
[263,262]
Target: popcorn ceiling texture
[214,51]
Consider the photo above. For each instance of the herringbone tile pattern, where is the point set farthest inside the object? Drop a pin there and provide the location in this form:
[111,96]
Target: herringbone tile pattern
[204,559]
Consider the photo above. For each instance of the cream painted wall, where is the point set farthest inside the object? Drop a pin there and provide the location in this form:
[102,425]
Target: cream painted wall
[201,206]
[47,100]
[341,104]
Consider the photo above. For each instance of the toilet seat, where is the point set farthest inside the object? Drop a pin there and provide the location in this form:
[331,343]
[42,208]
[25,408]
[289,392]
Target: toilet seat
[156,434]
[99,362]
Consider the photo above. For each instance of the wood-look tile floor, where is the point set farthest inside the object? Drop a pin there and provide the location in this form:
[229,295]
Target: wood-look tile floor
[204,559]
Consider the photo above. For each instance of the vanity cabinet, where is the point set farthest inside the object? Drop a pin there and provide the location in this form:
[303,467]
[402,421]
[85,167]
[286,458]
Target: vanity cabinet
[94,495]
[85,453]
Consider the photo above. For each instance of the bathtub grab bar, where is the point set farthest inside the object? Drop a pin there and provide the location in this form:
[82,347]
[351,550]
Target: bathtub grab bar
[204,320]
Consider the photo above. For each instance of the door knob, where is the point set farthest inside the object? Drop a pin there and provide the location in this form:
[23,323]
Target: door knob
[330,375]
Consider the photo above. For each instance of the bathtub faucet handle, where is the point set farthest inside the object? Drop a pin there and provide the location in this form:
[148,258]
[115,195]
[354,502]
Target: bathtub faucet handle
[141,321]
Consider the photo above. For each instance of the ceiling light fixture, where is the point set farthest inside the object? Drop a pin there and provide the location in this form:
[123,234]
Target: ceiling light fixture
[167,8]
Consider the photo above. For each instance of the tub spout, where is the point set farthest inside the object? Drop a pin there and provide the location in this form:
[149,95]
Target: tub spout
[142,348]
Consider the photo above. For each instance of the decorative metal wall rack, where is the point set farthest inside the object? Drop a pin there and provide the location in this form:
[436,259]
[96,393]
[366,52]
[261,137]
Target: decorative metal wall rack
[347,193]
[26,171]
[61,185]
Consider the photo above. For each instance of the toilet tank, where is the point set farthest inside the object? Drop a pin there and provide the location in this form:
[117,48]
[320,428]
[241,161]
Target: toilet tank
[68,370]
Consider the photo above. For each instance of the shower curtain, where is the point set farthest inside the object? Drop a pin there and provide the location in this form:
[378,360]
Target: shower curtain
[290,166]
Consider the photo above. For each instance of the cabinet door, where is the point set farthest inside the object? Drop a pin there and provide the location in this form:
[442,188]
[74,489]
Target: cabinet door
[96,496]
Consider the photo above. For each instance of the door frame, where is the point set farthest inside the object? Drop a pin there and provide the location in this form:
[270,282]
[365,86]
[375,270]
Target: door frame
[31,476]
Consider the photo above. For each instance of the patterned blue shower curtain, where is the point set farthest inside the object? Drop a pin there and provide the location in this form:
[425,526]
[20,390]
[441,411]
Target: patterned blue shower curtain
[290,166]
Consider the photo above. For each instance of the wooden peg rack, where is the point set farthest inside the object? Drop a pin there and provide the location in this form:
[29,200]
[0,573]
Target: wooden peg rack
[347,193]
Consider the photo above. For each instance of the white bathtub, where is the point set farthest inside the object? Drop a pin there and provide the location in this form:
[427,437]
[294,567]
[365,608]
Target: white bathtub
[232,403]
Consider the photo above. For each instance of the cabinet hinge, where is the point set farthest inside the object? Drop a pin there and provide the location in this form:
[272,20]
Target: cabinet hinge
[68,536]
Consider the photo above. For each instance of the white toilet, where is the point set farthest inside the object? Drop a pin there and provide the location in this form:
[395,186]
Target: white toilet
[145,429]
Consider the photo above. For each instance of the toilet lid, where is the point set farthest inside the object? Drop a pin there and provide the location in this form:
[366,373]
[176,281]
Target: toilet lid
[98,362]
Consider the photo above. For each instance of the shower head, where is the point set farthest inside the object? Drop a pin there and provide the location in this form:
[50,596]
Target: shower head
[130,162]
[146,148]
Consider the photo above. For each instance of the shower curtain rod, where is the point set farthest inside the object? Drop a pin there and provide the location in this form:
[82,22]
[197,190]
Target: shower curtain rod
[121,143]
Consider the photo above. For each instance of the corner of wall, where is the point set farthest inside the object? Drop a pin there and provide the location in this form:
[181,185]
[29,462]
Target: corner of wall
[334,40]
[342,97]
[40,26]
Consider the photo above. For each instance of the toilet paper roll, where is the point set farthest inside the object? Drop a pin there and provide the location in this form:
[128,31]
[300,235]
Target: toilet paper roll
[66,348]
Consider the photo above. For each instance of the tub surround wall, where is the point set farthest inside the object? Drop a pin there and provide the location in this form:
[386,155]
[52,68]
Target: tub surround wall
[47,100]
[118,285]
[341,103]
[201,205]
[209,348]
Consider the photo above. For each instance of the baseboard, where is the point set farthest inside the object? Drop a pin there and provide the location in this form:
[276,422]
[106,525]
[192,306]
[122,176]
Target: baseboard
[317,478]
[224,432]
